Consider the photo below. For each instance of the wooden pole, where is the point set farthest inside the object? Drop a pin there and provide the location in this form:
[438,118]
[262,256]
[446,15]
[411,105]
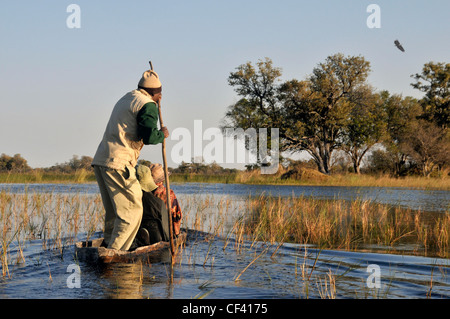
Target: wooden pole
[166,176]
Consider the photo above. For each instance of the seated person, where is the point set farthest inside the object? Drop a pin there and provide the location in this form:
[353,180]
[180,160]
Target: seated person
[160,192]
[154,225]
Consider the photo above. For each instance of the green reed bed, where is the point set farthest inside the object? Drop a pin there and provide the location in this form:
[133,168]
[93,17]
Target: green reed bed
[338,224]
[40,176]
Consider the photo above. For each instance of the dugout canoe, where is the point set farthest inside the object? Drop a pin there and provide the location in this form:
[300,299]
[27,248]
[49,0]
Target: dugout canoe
[92,252]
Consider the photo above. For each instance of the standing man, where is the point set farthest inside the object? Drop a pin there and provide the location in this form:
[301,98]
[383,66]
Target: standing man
[133,123]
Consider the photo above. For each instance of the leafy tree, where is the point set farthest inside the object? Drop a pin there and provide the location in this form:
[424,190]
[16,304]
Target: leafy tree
[401,116]
[258,106]
[77,163]
[74,164]
[428,146]
[258,87]
[338,86]
[382,161]
[310,114]
[366,128]
[434,81]
[14,163]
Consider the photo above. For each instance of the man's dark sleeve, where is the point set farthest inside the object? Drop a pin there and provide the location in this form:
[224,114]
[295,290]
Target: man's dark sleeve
[147,120]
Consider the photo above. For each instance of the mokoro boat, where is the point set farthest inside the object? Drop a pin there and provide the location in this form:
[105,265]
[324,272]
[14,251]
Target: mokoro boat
[92,252]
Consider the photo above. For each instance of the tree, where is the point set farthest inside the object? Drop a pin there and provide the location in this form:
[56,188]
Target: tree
[366,127]
[259,89]
[434,81]
[339,85]
[80,163]
[258,106]
[15,163]
[429,146]
[382,161]
[310,114]
[401,116]
[74,164]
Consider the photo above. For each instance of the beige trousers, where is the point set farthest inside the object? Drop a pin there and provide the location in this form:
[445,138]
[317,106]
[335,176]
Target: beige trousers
[122,199]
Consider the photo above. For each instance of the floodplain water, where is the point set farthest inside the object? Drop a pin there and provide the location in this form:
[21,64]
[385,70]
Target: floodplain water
[214,265]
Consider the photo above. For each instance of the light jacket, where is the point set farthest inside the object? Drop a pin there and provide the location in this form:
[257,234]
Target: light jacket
[122,141]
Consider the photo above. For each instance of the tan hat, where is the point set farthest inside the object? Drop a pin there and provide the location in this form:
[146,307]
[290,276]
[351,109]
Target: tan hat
[150,80]
[144,176]
[157,172]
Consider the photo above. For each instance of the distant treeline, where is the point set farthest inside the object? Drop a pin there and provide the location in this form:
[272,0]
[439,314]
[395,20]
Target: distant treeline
[379,162]
[18,164]
[203,169]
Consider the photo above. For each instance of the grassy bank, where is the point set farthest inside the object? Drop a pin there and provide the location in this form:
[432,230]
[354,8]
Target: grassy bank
[38,176]
[305,177]
[309,179]
[308,176]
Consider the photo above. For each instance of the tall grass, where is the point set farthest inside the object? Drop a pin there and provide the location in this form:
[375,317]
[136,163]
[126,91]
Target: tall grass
[266,223]
[330,224]
[247,227]
[338,224]
[39,176]
[53,218]
[205,213]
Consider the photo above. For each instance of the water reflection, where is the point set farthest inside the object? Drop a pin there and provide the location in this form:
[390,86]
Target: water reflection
[208,267]
[124,281]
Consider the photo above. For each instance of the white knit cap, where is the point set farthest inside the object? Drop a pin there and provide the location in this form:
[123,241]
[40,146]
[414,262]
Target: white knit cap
[150,80]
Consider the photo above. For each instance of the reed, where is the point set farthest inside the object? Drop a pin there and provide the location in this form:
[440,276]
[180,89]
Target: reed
[264,221]
[261,222]
[337,224]
[326,286]
[56,219]
[40,176]
[7,233]
[251,262]
[81,175]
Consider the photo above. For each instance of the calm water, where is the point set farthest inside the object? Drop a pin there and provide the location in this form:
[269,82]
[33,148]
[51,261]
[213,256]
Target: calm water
[427,200]
[209,265]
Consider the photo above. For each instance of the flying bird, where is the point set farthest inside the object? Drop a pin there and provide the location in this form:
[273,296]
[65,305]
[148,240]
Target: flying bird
[399,46]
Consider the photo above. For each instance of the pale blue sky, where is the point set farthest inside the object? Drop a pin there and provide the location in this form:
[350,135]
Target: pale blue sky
[59,85]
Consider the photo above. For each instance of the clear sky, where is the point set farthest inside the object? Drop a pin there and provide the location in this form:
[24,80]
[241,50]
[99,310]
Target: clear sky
[58,85]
